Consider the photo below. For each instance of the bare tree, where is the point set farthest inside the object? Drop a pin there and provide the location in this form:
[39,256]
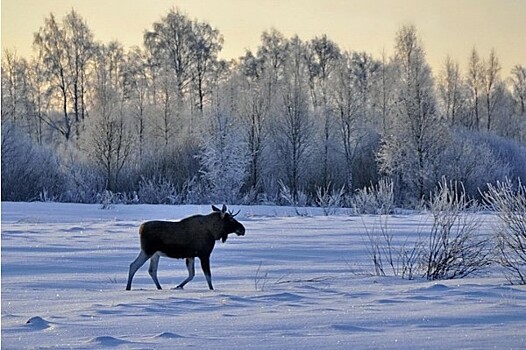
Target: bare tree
[450,89]
[322,56]
[109,141]
[518,79]
[65,50]
[206,45]
[474,81]
[294,128]
[348,105]
[255,111]
[81,50]
[490,81]
[136,84]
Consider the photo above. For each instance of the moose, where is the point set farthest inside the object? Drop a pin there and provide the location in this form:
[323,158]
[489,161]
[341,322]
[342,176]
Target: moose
[188,238]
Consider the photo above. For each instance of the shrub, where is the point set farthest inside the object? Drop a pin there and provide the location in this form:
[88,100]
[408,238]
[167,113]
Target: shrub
[510,204]
[455,249]
[158,190]
[375,199]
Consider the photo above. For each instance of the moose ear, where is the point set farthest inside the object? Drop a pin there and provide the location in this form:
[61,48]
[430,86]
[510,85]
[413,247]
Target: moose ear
[223,210]
[214,208]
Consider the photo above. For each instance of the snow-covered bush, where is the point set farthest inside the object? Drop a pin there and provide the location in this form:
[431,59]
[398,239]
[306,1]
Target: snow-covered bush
[194,191]
[374,199]
[509,201]
[454,247]
[400,258]
[329,198]
[158,190]
[28,169]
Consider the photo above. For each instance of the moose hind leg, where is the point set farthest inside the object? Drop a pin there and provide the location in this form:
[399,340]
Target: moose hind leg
[135,265]
[152,270]
[205,265]
[190,265]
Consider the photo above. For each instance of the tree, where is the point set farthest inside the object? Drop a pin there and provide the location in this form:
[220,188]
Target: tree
[416,137]
[491,86]
[322,56]
[206,45]
[474,82]
[171,42]
[450,91]
[137,84]
[14,74]
[65,51]
[294,128]
[81,50]
[255,111]
[348,106]
[223,157]
[109,141]
[518,81]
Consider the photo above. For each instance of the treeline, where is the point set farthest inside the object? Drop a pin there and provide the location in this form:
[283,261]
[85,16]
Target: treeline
[171,122]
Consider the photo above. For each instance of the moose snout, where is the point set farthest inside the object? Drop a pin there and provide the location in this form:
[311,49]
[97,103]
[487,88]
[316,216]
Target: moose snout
[240,231]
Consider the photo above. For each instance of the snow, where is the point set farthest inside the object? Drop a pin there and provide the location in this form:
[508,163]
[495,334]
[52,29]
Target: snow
[292,282]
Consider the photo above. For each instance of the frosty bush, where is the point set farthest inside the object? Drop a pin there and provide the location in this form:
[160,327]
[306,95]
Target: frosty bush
[158,190]
[375,199]
[28,169]
[402,258]
[454,248]
[329,198]
[509,201]
[194,191]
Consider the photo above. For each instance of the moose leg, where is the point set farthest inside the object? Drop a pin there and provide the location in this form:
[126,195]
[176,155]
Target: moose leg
[205,265]
[135,265]
[191,272]
[152,270]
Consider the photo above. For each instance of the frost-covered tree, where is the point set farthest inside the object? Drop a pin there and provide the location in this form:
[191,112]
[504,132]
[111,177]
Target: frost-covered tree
[293,129]
[347,103]
[108,140]
[474,80]
[492,87]
[415,140]
[451,92]
[65,50]
[518,78]
[254,114]
[224,156]
[322,55]
[206,44]
[136,85]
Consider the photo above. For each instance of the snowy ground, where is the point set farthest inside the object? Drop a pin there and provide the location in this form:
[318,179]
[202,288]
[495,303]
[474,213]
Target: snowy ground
[290,283]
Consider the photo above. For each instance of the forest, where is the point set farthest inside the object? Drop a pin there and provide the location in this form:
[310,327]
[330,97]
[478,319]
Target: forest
[296,121]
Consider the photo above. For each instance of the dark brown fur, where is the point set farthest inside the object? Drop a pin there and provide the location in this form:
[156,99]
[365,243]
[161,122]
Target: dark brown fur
[189,238]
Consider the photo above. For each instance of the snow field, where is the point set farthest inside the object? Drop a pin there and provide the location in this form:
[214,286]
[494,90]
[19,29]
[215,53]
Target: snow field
[290,283]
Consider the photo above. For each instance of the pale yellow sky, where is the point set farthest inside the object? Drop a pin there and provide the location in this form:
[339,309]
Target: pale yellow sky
[447,27]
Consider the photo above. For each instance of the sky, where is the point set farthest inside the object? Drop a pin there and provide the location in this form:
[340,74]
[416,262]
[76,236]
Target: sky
[446,27]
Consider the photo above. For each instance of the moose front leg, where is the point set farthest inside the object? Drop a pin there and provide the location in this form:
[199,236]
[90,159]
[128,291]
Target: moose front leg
[205,265]
[191,272]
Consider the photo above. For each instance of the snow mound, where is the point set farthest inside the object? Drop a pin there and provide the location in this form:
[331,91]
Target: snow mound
[106,341]
[37,323]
